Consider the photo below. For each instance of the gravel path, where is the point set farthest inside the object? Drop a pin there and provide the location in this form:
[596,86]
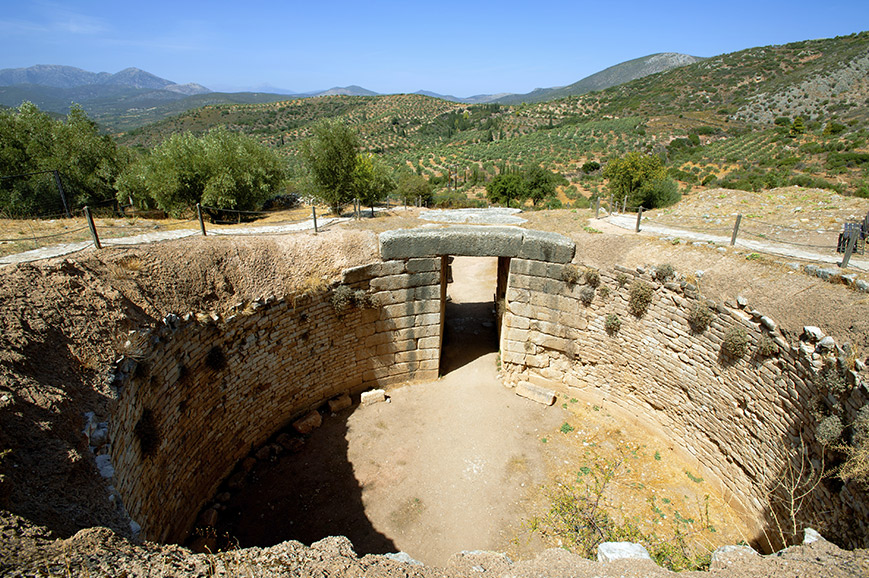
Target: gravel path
[490,216]
[157,236]
[630,222]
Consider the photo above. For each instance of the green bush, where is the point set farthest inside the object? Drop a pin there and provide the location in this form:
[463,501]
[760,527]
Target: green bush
[612,324]
[570,274]
[700,317]
[766,346]
[664,273]
[639,298]
[829,430]
[735,344]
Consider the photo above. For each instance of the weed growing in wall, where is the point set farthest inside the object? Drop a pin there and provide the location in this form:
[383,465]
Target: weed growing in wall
[570,274]
[586,295]
[700,317]
[664,273]
[612,324]
[766,346]
[344,298]
[592,278]
[639,298]
[622,279]
[735,344]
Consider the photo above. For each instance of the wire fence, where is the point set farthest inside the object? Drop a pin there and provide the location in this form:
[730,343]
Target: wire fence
[109,223]
[803,238]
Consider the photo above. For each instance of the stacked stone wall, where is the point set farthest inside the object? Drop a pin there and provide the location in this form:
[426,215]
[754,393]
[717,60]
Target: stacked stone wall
[741,418]
[204,390]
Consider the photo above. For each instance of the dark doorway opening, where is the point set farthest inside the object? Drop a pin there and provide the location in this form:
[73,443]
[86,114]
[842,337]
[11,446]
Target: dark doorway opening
[470,328]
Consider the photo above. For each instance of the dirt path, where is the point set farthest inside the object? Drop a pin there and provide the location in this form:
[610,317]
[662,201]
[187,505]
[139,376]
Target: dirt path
[445,466]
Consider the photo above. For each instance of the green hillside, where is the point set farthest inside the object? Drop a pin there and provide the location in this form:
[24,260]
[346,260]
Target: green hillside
[728,120]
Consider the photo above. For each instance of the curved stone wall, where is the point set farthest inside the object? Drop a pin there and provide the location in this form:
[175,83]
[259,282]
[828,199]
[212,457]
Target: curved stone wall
[203,391]
[742,419]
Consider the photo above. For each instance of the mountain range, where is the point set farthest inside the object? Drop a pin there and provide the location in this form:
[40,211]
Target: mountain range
[133,97]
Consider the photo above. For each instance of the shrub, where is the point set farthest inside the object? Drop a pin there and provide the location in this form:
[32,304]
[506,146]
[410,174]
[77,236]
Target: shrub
[590,167]
[342,298]
[766,346]
[621,279]
[586,294]
[735,344]
[829,429]
[664,273]
[570,274]
[700,317]
[592,277]
[639,297]
[612,324]
[604,292]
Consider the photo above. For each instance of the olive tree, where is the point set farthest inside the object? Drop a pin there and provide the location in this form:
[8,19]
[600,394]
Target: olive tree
[330,157]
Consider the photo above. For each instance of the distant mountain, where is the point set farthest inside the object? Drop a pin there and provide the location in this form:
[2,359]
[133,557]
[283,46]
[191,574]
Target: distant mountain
[612,76]
[476,99]
[57,76]
[352,90]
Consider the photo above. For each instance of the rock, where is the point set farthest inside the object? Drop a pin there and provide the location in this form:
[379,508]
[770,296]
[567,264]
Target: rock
[812,333]
[535,393]
[862,285]
[859,365]
[339,403]
[247,464]
[768,323]
[208,518]
[403,557]
[741,301]
[236,481]
[610,551]
[311,421]
[373,396]
[290,443]
[104,465]
[826,344]
[263,453]
[811,535]
[699,273]
[223,497]
[725,555]
[100,436]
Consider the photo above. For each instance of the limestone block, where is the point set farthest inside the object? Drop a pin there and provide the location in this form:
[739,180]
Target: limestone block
[311,421]
[515,357]
[373,396]
[535,393]
[610,551]
[423,265]
[336,404]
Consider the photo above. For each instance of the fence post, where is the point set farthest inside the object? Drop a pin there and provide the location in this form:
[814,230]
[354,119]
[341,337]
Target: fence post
[849,248]
[625,205]
[314,213]
[639,217]
[199,215]
[596,207]
[735,229]
[60,190]
[87,214]
[611,206]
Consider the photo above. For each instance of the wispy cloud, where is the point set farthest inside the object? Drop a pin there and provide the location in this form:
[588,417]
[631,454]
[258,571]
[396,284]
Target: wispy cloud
[52,18]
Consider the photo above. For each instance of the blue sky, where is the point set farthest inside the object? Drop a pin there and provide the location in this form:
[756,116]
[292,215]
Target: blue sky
[459,48]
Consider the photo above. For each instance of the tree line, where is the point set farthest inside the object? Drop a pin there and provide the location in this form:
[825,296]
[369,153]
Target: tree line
[228,170]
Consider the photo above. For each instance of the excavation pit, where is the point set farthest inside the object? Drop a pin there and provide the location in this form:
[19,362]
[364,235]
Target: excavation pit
[202,392]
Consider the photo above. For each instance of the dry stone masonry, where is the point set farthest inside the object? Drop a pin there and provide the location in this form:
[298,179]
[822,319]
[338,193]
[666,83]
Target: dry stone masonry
[202,392]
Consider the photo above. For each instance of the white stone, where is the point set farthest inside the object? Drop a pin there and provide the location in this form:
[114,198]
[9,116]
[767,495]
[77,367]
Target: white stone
[535,393]
[104,465]
[814,334]
[811,535]
[373,396]
[610,551]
